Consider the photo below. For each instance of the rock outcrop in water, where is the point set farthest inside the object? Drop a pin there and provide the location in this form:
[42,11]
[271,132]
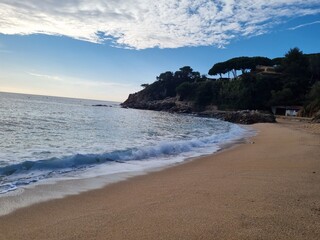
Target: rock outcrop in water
[242,117]
[173,105]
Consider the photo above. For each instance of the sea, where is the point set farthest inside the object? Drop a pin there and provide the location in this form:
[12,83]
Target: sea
[50,140]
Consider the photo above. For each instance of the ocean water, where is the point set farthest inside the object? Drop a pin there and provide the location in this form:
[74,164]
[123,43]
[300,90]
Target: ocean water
[51,139]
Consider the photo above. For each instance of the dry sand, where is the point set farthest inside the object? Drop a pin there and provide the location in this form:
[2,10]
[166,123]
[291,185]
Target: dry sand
[266,190]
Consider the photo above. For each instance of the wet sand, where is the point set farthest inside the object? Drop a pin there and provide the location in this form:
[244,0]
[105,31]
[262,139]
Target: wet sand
[268,188]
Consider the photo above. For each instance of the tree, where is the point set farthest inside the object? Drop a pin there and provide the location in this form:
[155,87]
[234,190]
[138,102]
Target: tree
[314,67]
[277,61]
[295,63]
[284,96]
[166,76]
[295,67]
[204,93]
[262,90]
[186,70]
[187,74]
[185,90]
[218,69]
[243,64]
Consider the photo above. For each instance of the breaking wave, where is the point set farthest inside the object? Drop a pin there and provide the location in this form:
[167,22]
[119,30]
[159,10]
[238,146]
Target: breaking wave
[27,172]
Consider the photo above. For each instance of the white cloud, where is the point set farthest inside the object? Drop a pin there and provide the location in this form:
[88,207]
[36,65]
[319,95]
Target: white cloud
[304,25]
[77,81]
[143,24]
[55,78]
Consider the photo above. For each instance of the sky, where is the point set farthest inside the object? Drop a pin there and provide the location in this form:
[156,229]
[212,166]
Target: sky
[105,49]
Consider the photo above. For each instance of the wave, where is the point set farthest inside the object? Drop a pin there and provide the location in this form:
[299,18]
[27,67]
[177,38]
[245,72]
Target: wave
[27,172]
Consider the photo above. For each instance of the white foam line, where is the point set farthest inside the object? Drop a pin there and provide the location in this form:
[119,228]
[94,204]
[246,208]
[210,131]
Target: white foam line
[100,176]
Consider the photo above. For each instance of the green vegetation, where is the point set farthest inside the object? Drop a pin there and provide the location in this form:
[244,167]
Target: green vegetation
[251,83]
[313,101]
[242,64]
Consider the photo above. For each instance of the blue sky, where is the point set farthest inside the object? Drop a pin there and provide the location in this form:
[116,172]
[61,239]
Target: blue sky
[106,49]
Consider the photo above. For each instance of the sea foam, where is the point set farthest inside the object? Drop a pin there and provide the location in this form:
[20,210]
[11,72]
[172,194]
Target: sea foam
[132,159]
[49,139]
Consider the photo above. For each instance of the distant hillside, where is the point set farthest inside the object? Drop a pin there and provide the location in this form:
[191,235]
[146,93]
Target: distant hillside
[237,84]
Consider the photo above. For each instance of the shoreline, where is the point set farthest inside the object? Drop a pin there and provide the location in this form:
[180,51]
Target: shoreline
[269,189]
[53,189]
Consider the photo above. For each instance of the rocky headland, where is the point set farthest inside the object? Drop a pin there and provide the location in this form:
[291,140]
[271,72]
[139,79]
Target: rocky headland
[252,83]
[174,105]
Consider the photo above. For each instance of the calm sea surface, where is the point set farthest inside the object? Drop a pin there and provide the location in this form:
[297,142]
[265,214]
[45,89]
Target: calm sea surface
[43,138]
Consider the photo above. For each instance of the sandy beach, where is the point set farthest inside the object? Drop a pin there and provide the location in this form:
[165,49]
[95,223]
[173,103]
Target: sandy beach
[266,188]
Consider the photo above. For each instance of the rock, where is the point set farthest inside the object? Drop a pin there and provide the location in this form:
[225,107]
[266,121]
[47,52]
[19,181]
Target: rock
[142,100]
[241,117]
[316,118]
[101,105]
[173,105]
